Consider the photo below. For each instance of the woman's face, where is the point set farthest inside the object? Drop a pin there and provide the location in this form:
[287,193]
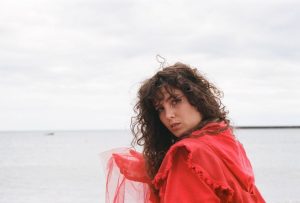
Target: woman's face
[176,113]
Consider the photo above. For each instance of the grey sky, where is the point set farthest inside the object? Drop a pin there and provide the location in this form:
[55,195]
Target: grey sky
[77,64]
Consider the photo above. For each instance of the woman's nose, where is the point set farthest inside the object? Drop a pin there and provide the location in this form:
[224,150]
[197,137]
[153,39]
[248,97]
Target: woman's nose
[170,113]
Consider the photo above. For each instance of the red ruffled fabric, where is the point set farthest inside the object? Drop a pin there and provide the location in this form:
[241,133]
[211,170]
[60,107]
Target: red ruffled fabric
[219,161]
[199,168]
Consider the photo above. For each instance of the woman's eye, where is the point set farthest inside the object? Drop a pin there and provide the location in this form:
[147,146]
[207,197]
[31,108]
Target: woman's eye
[159,109]
[176,101]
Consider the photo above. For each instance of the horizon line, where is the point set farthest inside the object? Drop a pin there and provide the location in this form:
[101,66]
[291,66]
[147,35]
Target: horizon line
[236,127]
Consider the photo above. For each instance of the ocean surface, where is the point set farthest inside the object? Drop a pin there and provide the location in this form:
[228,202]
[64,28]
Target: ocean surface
[65,167]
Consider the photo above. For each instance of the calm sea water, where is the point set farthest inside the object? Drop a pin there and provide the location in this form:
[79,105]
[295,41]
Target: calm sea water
[66,167]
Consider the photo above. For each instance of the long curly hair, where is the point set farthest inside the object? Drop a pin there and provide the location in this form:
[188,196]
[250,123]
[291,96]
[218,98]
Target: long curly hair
[146,126]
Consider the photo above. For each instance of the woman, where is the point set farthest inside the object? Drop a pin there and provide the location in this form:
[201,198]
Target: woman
[189,151]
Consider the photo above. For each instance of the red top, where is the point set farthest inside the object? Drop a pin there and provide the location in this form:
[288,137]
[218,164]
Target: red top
[207,168]
[200,168]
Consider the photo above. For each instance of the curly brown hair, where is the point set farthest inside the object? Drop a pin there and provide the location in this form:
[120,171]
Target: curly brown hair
[146,126]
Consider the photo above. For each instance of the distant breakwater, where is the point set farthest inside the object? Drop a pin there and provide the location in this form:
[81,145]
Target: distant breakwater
[267,127]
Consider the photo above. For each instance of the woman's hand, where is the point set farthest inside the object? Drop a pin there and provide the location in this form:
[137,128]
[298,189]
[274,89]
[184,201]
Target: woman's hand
[132,166]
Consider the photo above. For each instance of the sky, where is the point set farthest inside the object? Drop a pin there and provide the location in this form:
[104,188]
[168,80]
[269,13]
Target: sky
[77,64]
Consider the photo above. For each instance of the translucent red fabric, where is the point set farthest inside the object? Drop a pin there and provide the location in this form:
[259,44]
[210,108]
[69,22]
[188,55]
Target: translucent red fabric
[126,178]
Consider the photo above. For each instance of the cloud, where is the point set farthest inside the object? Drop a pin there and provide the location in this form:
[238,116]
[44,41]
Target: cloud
[77,64]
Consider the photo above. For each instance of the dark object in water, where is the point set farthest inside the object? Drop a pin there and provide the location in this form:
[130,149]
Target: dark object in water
[51,133]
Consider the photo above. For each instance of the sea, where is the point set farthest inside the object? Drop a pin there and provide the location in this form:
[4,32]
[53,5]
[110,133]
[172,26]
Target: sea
[66,166]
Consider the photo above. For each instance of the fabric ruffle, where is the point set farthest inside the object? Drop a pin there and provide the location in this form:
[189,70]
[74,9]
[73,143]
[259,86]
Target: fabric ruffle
[222,190]
[199,148]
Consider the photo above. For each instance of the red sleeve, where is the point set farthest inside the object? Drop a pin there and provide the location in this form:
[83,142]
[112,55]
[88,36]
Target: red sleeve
[184,185]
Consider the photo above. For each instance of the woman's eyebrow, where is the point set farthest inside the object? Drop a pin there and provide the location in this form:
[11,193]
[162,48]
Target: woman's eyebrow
[169,97]
[175,95]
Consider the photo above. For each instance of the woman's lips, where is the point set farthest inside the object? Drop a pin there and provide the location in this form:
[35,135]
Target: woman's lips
[175,126]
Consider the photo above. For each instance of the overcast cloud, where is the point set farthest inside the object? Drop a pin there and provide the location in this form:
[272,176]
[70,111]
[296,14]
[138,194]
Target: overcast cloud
[77,64]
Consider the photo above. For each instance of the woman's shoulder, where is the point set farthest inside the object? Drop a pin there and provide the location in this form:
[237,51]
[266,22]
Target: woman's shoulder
[201,160]
[192,149]
[201,141]
[190,145]
[201,144]
[206,151]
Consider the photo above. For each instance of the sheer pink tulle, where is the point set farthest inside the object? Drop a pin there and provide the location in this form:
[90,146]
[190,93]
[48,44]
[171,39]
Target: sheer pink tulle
[126,179]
